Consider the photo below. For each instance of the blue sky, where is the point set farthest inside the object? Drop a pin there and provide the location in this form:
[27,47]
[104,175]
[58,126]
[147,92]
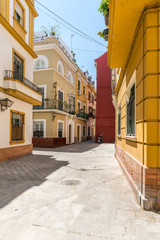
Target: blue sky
[83,15]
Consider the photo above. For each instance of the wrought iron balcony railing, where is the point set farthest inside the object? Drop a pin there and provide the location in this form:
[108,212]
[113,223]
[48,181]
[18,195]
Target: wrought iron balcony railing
[82,115]
[56,104]
[14,75]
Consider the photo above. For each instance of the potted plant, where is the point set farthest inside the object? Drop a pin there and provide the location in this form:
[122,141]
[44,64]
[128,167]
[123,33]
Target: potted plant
[104,9]
[105,34]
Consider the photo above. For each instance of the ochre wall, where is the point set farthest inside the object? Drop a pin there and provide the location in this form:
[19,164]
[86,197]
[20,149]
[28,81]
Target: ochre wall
[143,150]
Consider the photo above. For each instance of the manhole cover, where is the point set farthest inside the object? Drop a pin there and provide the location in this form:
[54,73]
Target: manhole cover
[71,182]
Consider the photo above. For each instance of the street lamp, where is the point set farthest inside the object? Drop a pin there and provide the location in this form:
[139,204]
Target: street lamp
[5,103]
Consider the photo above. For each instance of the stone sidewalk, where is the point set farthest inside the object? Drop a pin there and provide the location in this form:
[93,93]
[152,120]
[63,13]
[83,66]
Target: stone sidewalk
[76,192]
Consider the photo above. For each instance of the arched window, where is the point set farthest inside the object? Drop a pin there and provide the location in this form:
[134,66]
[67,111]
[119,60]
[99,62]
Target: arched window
[60,67]
[41,62]
[70,77]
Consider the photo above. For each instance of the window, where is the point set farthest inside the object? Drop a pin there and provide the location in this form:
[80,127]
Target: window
[38,129]
[84,90]
[60,100]
[79,85]
[42,92]
[17,126]
[18,68]
[60,67]
[119,121]
[93,99]
[89,95]
[70,77]
[84,131]
[19,13]
[131,112]
[60,129]
[84,108]
[72,104]
[79,107]
[40,64]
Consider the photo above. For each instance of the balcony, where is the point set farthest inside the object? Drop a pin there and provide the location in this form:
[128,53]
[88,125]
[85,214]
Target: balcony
[20,87]
[14,75]
[82,115]
[56,105]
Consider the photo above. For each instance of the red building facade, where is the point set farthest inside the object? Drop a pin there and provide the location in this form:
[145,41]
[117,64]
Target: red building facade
[105,111]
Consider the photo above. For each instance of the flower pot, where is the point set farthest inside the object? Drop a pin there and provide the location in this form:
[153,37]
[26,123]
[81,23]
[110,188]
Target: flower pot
[106,19]
[105,34]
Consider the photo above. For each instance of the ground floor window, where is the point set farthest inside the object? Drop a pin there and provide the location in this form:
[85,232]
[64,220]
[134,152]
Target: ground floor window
[38,129]
[131,112]
[17,126]
[119,121]
[84,131]
[60,129]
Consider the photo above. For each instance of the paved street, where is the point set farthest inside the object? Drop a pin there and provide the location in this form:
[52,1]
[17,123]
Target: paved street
[75,192]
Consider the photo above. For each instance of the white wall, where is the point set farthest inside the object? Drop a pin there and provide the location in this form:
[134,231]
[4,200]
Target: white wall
[5,121]
[7,43]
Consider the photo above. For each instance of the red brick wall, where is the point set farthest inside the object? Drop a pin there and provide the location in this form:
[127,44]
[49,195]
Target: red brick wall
[13,152]
[48,142]
[144,181]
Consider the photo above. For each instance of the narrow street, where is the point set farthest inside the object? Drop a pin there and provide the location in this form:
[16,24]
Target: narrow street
[76,192]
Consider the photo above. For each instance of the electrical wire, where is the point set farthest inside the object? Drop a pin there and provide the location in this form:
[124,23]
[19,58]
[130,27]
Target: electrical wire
[70,24]
[64,25]
[83,50]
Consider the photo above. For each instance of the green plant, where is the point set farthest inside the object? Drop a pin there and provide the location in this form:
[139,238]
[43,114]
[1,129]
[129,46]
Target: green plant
[104,7]
[100,34]
[50,30]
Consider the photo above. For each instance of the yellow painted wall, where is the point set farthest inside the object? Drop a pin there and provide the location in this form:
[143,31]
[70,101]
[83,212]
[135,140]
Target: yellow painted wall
[144,59]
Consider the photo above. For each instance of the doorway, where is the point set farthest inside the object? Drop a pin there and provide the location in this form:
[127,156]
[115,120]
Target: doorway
[70,133]
[78,134]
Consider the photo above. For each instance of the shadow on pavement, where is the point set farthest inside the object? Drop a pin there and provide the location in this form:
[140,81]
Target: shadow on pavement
[72,148]
[18,175]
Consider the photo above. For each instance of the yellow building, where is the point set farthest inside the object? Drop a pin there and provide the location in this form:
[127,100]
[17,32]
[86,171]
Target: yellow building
[85,106]
[134,55]
[60,119]
[17,91]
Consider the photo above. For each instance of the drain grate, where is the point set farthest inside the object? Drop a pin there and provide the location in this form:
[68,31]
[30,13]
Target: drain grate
[71,182]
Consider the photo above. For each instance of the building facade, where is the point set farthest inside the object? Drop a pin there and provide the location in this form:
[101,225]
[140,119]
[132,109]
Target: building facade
[134,55]
[60,119]
[85,106]
[17,90]
[105,111]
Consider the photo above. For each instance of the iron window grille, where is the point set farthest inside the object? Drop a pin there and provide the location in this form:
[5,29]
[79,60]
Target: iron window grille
[17,127]
[131,113]
[60,130]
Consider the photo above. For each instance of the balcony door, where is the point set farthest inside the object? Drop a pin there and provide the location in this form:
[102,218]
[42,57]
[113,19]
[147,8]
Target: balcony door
[18,68]
[60,100]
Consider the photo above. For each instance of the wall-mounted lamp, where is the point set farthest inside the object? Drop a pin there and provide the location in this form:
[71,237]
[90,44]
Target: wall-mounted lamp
[53,116]
[5,103]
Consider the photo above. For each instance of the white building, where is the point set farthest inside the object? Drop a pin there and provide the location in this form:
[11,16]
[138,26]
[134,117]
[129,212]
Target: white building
[16,77]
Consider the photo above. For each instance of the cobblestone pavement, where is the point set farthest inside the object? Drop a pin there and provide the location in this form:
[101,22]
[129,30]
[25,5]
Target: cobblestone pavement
[76,192]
